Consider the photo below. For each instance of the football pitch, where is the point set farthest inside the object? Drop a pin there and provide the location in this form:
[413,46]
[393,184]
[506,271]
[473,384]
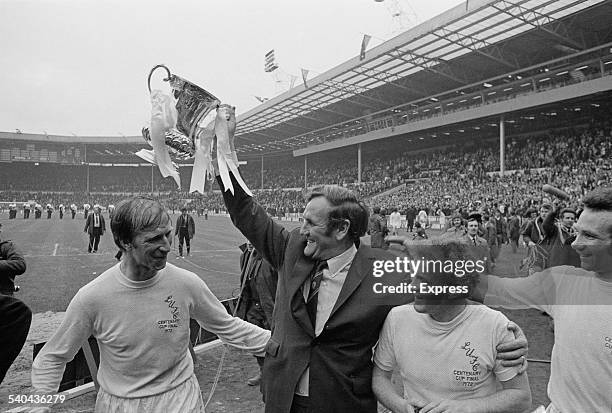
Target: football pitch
[58,265]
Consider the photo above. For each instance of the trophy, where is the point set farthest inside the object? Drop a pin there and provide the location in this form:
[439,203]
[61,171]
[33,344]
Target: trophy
[178,132]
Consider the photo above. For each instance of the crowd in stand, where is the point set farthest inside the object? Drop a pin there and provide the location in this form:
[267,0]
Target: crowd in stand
[445,179]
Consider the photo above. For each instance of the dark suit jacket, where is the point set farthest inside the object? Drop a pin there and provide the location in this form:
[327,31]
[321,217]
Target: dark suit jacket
[264,279]
[340,358]
[190,225]
[89,225]
[378,231]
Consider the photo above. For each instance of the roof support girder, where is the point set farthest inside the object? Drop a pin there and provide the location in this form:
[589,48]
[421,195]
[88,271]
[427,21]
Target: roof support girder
[437,66]
[323,107]
[391,79]
[479,46]
[355,90]
[337,93]
[542,21]
[302,116]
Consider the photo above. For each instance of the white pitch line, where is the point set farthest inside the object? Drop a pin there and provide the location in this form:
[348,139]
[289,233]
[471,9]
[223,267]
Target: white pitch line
[55,249]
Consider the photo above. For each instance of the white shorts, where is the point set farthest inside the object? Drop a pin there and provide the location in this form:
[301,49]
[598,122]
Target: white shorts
[185,398]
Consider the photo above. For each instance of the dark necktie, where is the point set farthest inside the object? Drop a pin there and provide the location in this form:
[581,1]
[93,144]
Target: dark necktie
[313,293]
[474,239]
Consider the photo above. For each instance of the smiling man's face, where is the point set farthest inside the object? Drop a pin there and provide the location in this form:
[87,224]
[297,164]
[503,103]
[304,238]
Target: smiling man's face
[594,241]
[321,244]
[151,248]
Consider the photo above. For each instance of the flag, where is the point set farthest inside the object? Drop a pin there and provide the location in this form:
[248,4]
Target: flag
[364,45]
[293,79]
[270,64]
[304,76]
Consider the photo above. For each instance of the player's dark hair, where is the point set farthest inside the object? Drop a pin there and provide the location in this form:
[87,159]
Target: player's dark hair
[136,215]
[599,199]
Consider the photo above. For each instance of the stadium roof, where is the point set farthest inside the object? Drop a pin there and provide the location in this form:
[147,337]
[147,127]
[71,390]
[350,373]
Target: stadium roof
[454,52]
[462,46]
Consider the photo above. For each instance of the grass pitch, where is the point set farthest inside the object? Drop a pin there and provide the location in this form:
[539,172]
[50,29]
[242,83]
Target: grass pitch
[58,265]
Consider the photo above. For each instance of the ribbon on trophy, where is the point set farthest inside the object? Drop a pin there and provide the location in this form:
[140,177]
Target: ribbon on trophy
[178,132]
[225,127]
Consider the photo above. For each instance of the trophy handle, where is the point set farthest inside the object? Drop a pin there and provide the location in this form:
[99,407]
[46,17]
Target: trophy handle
[151,74]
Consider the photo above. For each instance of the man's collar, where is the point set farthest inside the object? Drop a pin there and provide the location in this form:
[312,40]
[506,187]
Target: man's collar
[337,263]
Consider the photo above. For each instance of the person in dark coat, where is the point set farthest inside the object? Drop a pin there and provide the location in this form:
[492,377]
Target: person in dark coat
[327,317]
[15,319]
[95,227]
[514,230]
[377,229]
[185,229]
[257,291]
[15,316]
[560,236]
[12,264]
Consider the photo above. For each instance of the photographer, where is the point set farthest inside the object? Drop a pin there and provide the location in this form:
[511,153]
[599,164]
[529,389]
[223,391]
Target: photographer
[15,316]
[12,264]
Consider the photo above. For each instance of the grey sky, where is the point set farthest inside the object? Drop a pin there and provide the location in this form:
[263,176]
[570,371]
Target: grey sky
[80,66]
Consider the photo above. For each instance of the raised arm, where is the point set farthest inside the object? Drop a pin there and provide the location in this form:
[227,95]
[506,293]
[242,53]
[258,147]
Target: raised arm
[268,237]
[549,222]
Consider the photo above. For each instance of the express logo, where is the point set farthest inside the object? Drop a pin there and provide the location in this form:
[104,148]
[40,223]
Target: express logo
[608,344]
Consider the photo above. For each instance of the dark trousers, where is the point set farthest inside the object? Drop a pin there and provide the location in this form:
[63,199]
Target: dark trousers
[15,319]
[48,214]
[73,214]
[61,214]
[94,241]
[26,214]
[183,236]
[300,404]
[409,224]
[12,214]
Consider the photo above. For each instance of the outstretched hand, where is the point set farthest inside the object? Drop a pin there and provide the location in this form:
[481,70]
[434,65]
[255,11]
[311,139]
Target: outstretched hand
[513,352]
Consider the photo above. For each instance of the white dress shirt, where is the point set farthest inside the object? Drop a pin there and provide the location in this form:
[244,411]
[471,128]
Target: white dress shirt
[329,290]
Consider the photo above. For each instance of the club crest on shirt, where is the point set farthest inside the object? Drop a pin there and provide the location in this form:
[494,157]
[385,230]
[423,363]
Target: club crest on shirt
[175,321]
[470,376]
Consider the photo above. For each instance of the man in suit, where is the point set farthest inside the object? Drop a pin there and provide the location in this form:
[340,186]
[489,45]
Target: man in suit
[185,229]
[95,227]
[471,235]
[514,230]
[326,317]
[377,228]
